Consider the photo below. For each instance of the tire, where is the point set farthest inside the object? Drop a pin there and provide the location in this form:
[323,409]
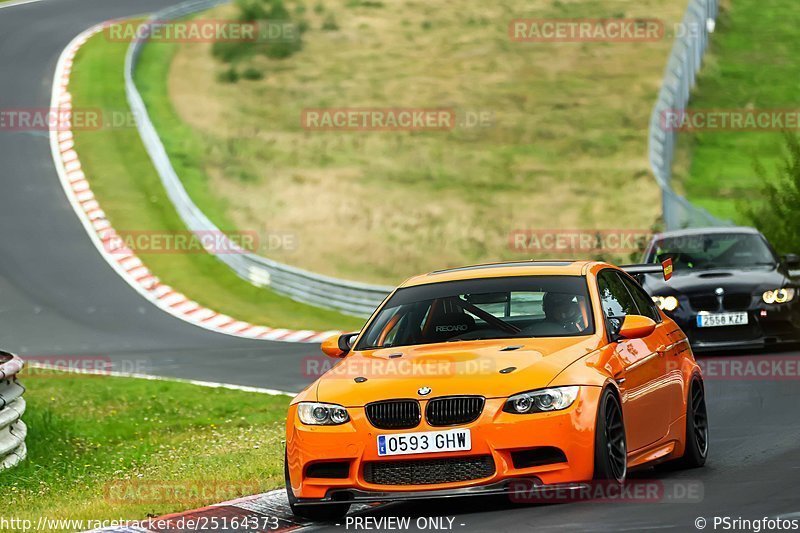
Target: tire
[696,450]
[610,445]
[315,513]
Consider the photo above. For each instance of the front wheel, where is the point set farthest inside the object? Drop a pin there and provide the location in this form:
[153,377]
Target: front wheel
[610,447]
[696,428]
[315,513]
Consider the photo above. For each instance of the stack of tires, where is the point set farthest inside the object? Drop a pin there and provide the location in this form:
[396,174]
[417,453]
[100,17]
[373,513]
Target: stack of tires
[12,406]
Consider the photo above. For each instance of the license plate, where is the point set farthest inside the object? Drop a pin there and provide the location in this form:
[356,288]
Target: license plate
[452,440]
[713,320]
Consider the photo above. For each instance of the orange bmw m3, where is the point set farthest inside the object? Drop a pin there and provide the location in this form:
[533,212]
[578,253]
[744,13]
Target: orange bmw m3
[465,381]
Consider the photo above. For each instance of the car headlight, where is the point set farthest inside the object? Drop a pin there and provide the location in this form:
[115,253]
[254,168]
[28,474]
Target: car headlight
[541,401]
[778,296]
[322,414]
[666,303]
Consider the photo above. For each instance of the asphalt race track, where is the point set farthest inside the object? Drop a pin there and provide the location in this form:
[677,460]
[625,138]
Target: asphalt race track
[753,471]
[59,297]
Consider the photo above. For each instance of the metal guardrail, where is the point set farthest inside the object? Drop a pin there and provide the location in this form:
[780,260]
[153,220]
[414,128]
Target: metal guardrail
[354,298]
[12,406]
[684,63]
[360,298]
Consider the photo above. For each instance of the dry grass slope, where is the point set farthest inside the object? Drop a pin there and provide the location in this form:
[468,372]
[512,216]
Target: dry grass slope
[567,147]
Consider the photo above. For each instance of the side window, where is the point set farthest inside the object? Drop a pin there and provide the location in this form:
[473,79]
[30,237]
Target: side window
[614,297]
[643,301]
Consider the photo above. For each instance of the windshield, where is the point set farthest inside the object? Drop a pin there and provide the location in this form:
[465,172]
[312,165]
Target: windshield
[492,308]
[717,250]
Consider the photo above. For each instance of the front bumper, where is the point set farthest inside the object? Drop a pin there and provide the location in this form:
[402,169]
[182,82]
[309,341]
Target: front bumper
[495,433]
[513,487]
[768,325]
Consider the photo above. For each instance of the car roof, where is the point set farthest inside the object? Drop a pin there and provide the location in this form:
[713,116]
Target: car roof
[693,232]
[500,270]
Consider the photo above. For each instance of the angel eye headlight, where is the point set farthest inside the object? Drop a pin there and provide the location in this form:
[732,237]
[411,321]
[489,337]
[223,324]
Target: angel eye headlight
[322,414]
[779,296]
[666,303]
[541,401]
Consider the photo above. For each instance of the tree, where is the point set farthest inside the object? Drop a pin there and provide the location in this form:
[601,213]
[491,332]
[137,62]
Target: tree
[777,215]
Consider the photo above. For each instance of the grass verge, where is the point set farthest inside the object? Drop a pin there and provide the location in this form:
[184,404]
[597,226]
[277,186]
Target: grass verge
[130,192]
[751,65]
[108,448]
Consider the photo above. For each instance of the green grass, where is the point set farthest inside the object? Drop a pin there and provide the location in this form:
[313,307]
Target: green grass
[752,64]
[567,132]
[130,192]
[92,439]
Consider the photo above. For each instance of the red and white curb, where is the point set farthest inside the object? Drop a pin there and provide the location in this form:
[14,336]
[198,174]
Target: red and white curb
[122,259]
[261,512]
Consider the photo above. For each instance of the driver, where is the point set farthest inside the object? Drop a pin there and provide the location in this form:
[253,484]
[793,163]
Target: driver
[563,310]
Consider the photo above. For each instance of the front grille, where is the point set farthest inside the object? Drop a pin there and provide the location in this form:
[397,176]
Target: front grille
[394,414]
[430,471]
[704,302]
[730,302]
[737,302]
[454,410]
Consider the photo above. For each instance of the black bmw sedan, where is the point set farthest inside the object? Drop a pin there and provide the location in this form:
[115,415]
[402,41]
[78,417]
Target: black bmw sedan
[729,288]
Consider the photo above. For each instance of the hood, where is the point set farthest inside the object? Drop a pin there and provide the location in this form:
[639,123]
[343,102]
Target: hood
[472,367]
[741,280]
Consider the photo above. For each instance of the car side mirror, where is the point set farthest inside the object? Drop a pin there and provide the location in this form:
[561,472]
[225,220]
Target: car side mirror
[338,346]
[791,260]
[636,327]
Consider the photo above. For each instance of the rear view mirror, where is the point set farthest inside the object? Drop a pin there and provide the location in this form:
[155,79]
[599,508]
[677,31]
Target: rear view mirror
[338,346]
[791,260]
[636,327]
